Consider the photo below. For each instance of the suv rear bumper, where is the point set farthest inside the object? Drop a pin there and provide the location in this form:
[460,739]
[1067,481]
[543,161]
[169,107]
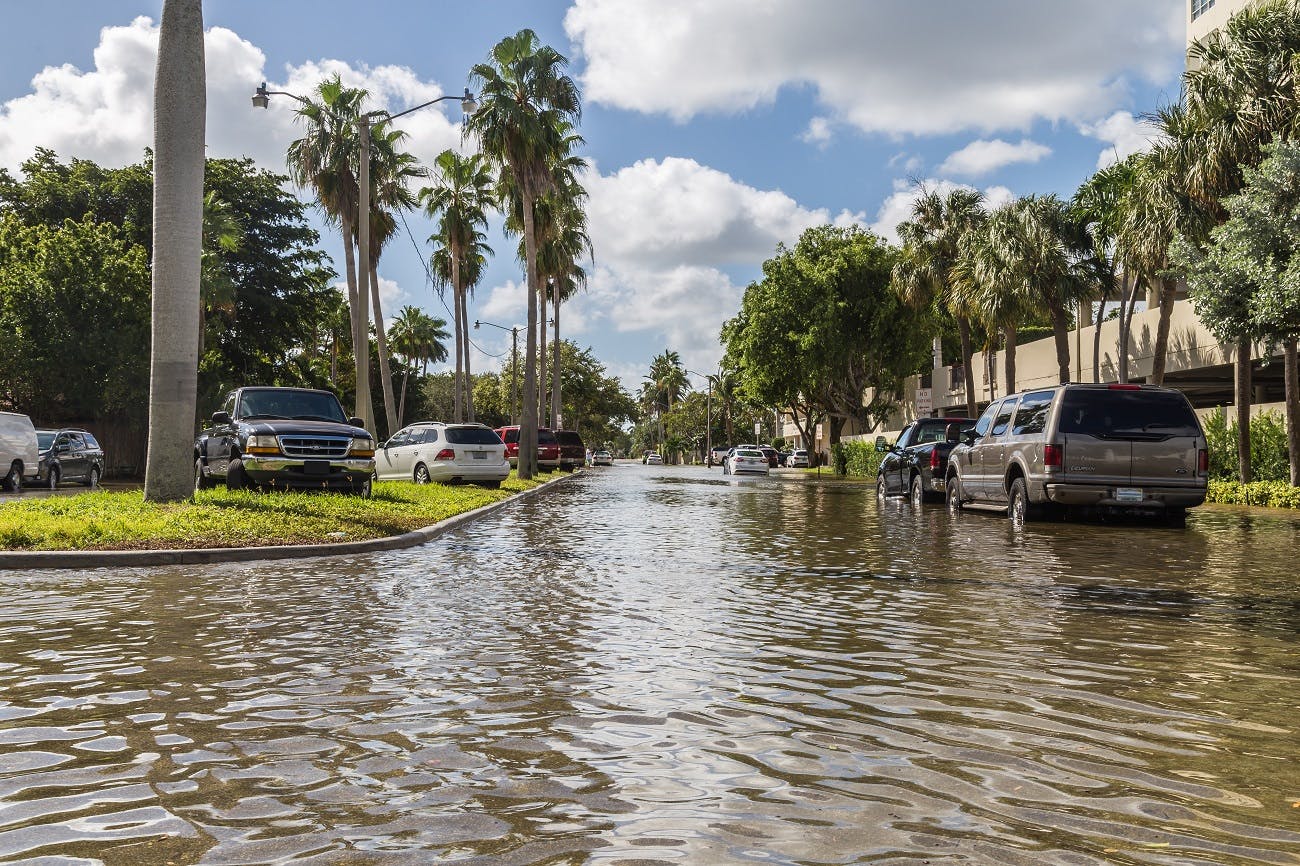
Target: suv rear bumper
[1104,497]
[291,472]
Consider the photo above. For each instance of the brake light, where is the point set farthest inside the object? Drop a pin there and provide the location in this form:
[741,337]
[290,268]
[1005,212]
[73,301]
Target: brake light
[446,454]
[935,465]
[1203,461]
[1123,387]
[1054,455]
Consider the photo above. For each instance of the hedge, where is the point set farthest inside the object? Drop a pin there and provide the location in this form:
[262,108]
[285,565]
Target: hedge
[1272,494]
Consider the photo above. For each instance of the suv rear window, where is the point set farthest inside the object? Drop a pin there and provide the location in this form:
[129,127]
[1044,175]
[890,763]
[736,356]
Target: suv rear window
[1109,414]
[569,437]
[471,436]
[546,437]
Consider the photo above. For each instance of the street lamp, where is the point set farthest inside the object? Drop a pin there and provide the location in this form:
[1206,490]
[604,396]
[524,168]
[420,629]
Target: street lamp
[514,361]
[261,99]
[708,419]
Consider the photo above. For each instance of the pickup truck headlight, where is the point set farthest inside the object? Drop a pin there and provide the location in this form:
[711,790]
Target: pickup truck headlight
[362,447]
[262,445]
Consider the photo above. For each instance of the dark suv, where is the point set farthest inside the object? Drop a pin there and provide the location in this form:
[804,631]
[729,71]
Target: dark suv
[573,453]
[284,437]
[548,448]
[69,455]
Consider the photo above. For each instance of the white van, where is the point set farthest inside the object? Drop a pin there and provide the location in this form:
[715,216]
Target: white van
[19,455]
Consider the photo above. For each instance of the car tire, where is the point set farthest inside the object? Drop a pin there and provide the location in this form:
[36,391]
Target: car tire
[421,475]
[201,481]
[92,478]
[13,482]
[236,478]
[916,492]
[1019,509]
[1176,518]
[363,489]
[882,492]
[953,494]
[52,478]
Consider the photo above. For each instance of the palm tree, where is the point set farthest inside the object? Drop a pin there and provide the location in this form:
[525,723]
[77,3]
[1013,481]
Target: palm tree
[924,274]
[566,244]
[416,338]
[525,104]
[180,103]
[325,161]
[1098,206]
[459,200]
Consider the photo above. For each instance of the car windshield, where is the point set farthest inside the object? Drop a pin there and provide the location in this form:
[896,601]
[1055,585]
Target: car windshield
[472,436]
[298,405]
[43,439]
[1115,414]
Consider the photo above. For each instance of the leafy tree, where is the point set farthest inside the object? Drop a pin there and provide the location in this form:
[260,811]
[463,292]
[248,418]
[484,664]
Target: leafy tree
[417,339]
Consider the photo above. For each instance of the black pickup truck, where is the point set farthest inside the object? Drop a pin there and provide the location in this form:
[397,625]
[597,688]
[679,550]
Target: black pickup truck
[285,438]
[915,465]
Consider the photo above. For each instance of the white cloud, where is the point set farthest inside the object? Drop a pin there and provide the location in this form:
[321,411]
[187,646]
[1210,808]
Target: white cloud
[981,157]
[818,132]
[1125,133]
[897,207]
[106,114]
[997,64]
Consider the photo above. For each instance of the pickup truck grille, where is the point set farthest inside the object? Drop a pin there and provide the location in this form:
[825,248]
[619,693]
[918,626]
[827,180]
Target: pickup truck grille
[325,447]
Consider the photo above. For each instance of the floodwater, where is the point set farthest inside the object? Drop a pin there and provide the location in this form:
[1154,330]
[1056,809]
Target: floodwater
[660,665]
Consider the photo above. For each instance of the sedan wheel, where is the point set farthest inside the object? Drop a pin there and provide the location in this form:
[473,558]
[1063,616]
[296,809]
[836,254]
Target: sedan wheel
[421,474]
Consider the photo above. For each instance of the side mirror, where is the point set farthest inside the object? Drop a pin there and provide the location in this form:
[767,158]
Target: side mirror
[952,434]
[357,422]
[220,417]
[882,444]
[62,448]
[970,437]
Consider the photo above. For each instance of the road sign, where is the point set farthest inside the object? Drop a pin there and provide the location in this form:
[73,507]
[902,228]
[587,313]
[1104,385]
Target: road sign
[924,401]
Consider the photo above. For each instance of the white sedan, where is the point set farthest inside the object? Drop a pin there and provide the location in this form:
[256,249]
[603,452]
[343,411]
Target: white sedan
[602,457]
[435,451]
[745,460]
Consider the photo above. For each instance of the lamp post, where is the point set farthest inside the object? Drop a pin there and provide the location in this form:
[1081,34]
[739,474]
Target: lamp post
[514,361]
[360,335]
[708,418]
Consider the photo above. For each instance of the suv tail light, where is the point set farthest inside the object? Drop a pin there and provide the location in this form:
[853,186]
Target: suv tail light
[1203,461]
[1054,456]
[446,454]
[935,465]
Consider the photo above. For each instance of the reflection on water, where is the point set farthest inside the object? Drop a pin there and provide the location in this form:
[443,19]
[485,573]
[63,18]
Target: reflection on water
[659,665]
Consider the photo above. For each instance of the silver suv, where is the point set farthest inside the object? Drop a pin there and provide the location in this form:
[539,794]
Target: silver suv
[1137,448]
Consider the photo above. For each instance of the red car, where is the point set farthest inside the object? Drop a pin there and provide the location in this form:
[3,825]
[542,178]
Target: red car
[548,447]
[573,453]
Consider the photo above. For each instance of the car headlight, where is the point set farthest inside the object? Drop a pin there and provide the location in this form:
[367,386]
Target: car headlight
[262,445]
[362,446]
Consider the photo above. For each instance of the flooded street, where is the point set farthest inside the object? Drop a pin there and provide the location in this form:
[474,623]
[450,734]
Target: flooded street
[664,665]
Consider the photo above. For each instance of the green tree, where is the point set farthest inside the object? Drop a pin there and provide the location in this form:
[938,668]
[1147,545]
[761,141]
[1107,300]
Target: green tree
[526,106]
[417,339]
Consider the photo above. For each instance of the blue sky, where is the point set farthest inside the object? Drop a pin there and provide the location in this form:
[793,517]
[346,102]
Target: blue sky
[716,128]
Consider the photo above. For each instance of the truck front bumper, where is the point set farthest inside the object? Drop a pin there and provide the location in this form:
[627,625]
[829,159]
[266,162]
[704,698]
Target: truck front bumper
[279,471]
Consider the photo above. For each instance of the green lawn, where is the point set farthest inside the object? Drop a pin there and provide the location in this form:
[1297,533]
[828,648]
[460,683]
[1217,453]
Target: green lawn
[105,520]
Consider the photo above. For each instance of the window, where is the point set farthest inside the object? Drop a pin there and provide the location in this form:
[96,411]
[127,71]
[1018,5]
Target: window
[1031,417]
[401,437]
[91,442]
[1003,420]
[986,420]
[1200,7]
[1141,415]
[471,436]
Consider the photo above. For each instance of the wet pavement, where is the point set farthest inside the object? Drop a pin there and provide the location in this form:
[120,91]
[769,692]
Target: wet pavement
[663,665]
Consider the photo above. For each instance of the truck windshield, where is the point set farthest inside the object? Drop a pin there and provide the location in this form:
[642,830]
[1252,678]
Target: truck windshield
[1110,414]
[298,405]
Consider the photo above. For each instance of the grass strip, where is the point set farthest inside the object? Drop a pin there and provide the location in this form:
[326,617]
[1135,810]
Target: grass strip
[112,520]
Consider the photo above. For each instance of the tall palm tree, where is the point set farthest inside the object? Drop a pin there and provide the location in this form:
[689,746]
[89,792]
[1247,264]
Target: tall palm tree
[325,161]
[1098,205]
[416,338]
[525,103]
[180,103]
[459,200]
[923,276]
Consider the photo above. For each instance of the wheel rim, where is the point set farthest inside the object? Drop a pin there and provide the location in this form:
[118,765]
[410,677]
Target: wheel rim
[52,480]
[1017,508]
[880,488]
[917,493]
[421,475]
[954,495]
[94,477]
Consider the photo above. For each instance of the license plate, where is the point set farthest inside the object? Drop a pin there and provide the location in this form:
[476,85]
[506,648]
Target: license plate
[479,455]
[316,467]
[1129,494]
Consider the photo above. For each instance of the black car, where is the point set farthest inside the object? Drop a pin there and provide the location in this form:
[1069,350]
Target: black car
[69,455]
[284,438]
[917,463]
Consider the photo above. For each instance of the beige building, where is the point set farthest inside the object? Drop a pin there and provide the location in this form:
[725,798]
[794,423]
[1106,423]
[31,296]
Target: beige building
[1206,16]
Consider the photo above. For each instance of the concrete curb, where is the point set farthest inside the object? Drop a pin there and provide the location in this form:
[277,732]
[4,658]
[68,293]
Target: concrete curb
[29,559]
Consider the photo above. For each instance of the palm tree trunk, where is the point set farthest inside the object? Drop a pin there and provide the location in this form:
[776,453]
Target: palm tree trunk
[967,354]
[1096,336]
[401,403]
[555,349]
[180,105]
[1167,290]
[528,416]
[541,356]
[1291,370]
[1242,395]
[350,265]
[1009,363]
[469,378]
[361,348]
[1126,303]
[381,338]
[458,391]
[1061,337]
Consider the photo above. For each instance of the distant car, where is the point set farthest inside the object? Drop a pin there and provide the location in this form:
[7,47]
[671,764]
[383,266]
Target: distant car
[916,465]
[548,448]
[798,459]
[450,453]
[746,461]
[718,454]
[773,459]
[69,455]
[573,453]
[601,457]
[653,459]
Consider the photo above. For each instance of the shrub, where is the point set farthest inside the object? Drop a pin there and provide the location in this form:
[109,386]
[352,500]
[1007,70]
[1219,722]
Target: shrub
[1269,460]
[859,459]
[1271,494]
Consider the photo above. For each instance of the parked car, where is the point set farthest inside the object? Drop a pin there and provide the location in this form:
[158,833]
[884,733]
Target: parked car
[917,464]
[750,461]
[717,454]
[69,455]
[601,457]
[284,438]
[1110,448]
[773,459]
[573,452]
[548,448]
[798,459]
[20,456]
[450,453]
[652,459]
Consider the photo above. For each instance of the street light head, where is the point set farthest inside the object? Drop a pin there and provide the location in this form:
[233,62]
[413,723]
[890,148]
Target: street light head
[467,102]
[260,98]
[476,324]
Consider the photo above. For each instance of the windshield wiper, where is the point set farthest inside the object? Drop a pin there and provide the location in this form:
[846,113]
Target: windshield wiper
[316,418]
[262,416]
